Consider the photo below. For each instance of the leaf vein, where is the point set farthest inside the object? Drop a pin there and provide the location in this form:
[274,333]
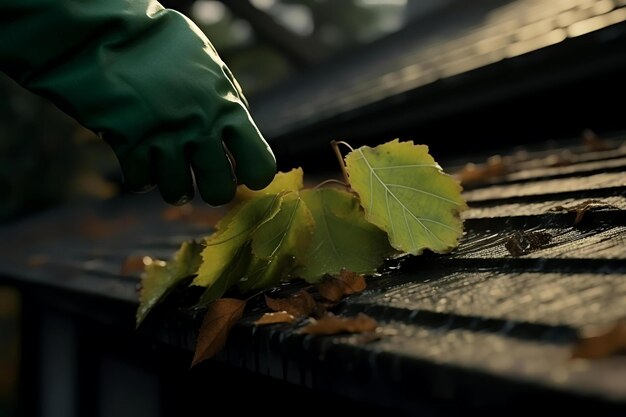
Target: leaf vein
[423,192]
[408,166]
[408,228]
[439,223]
[388,191]
[287,227]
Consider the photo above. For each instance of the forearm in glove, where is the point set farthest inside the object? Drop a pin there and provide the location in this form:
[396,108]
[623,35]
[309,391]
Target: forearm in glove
[149,82]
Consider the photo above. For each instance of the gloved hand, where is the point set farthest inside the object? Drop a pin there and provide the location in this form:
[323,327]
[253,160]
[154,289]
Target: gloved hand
[149,82]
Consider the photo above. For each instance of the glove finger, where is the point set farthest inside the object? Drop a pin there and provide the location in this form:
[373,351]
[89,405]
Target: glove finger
[213,172]
[173,176]
[235,84]
[254,161]
[137,171]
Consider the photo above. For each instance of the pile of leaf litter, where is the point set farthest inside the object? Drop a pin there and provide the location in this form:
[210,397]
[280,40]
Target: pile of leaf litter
[396,200]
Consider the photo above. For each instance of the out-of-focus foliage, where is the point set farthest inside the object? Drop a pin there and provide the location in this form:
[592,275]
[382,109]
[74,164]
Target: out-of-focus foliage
[340,24]
[336,25]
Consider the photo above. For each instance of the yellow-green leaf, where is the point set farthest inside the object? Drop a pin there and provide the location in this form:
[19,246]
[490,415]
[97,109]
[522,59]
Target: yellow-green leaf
[233,232]
[288,230]
[236,270]
[405,192]
[283,181]
[342,238]
[280,244]
[161,277]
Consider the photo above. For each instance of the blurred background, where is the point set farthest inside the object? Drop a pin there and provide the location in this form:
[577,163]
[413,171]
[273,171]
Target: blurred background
[505,71]
[460,76]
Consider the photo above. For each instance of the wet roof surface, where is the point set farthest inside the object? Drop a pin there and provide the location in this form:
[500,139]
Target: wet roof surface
[481,325]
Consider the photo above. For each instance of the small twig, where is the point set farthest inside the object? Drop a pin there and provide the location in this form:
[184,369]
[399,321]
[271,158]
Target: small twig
[335,145]
[331,181]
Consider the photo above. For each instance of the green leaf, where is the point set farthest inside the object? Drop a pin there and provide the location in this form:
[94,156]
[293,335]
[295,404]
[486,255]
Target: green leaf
[236,269]
[161,277]
[269,253]
[283,181]
[233,232]
[405,192]
[342,238]
[288,230]
[280,244]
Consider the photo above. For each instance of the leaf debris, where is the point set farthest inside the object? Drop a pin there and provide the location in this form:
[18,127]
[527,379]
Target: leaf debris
[398,201]
[495,167]
[277,317]
[300,304]
[581,208]
[602,343]
[331,325]
[348,282]
[406,204]
[220,317]
[521,243]
[594,143]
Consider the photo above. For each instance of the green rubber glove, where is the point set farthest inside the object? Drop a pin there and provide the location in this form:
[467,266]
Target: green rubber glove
[149,82]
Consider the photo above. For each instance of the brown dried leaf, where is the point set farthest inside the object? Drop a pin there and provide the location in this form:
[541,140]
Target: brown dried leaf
[496,166]
[220,317]
[322,308]
[594,143]
[331,288]
[603,343]
[353,282]
[582,208]
[331,324]
[348,282]
[521,243]
[300,304]
[277,317]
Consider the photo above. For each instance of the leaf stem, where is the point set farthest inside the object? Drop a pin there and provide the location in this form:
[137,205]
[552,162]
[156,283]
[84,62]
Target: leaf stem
[335,145]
